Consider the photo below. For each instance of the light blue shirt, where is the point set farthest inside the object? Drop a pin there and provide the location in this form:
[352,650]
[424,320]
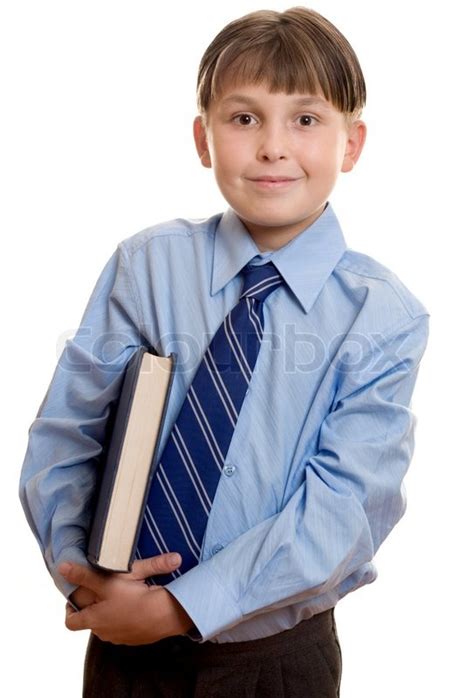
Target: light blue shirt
[324,437]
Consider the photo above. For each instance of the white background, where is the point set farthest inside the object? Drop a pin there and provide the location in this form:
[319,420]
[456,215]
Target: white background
[96,144]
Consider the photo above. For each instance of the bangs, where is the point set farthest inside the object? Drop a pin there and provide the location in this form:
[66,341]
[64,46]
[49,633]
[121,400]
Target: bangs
[274,66]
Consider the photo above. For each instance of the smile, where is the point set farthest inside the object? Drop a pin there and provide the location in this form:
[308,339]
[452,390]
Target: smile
[269,184]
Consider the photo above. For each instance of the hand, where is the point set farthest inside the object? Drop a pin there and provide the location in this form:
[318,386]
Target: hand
[141,569]
[125,609]
[81,598]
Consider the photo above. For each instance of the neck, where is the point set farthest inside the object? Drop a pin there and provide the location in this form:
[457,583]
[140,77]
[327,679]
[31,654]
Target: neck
[268,238]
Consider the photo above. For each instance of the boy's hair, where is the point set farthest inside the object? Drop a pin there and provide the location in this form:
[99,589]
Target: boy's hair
[297,50]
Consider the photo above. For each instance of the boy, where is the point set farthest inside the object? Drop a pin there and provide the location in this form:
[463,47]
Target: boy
[308,349]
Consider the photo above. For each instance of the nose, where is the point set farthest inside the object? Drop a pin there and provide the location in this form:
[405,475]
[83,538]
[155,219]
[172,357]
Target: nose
[273,144]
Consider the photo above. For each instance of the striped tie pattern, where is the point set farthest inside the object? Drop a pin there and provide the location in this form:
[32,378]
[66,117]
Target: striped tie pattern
[186,479]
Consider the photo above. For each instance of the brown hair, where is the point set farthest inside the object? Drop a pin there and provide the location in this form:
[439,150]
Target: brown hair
[297,50]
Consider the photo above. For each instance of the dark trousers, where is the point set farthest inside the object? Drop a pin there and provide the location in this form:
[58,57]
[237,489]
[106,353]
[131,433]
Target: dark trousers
[304,661]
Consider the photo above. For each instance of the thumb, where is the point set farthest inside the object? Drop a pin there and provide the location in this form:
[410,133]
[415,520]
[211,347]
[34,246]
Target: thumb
[151,566]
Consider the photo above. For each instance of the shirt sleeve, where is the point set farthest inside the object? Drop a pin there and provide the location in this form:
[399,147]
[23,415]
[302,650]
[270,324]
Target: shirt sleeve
[60,468]
[350,498]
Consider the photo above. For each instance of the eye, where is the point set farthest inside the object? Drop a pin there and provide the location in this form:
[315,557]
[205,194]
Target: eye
[307,117]
[239,119]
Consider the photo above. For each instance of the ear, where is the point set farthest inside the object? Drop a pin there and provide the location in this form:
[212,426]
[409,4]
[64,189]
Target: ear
[200,139]
[356,135]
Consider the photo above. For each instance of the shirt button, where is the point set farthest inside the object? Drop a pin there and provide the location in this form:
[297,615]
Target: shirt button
[216,548]
[229,470]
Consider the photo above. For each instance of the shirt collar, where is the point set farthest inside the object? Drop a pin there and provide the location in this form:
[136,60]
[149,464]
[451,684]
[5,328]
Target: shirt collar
[305,262]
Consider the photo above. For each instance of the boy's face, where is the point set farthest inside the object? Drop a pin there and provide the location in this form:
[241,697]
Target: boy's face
[253,134]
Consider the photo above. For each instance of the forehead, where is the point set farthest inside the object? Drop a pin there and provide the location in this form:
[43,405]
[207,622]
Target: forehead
[252,95]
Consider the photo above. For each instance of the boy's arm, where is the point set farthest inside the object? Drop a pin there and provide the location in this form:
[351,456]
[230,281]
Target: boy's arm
[349,499]
[59,471]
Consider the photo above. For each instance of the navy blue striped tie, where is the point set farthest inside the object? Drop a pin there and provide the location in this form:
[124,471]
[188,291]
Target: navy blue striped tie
[192,461]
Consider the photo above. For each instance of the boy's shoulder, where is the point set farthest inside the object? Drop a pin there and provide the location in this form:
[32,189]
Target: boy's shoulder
[362,270]
[177,227]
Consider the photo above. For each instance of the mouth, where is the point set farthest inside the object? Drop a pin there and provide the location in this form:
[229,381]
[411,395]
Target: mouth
[273,182]
[273,178]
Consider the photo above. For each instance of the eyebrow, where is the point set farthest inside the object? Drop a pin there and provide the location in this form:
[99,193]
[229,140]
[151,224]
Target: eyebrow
[299,101]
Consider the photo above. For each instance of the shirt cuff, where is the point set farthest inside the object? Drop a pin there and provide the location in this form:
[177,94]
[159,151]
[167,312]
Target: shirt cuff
[209,605]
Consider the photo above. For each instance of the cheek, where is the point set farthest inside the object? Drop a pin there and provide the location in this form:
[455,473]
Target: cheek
[321,157]
[233,147]
[229,155]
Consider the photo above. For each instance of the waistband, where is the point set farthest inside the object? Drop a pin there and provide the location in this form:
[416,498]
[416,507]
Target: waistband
[317,628]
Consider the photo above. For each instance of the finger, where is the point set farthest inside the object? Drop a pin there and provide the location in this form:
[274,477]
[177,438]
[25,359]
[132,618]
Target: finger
[70,609]
[83,597]
[79,620]
[151,566]
[82,576]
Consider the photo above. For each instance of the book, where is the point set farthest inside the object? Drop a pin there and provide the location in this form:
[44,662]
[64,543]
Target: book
[129,459]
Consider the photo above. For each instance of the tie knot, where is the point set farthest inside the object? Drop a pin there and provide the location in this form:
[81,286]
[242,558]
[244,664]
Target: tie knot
[260,280]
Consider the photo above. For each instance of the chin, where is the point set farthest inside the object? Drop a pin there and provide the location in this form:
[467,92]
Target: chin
[263,221]
[270,220]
